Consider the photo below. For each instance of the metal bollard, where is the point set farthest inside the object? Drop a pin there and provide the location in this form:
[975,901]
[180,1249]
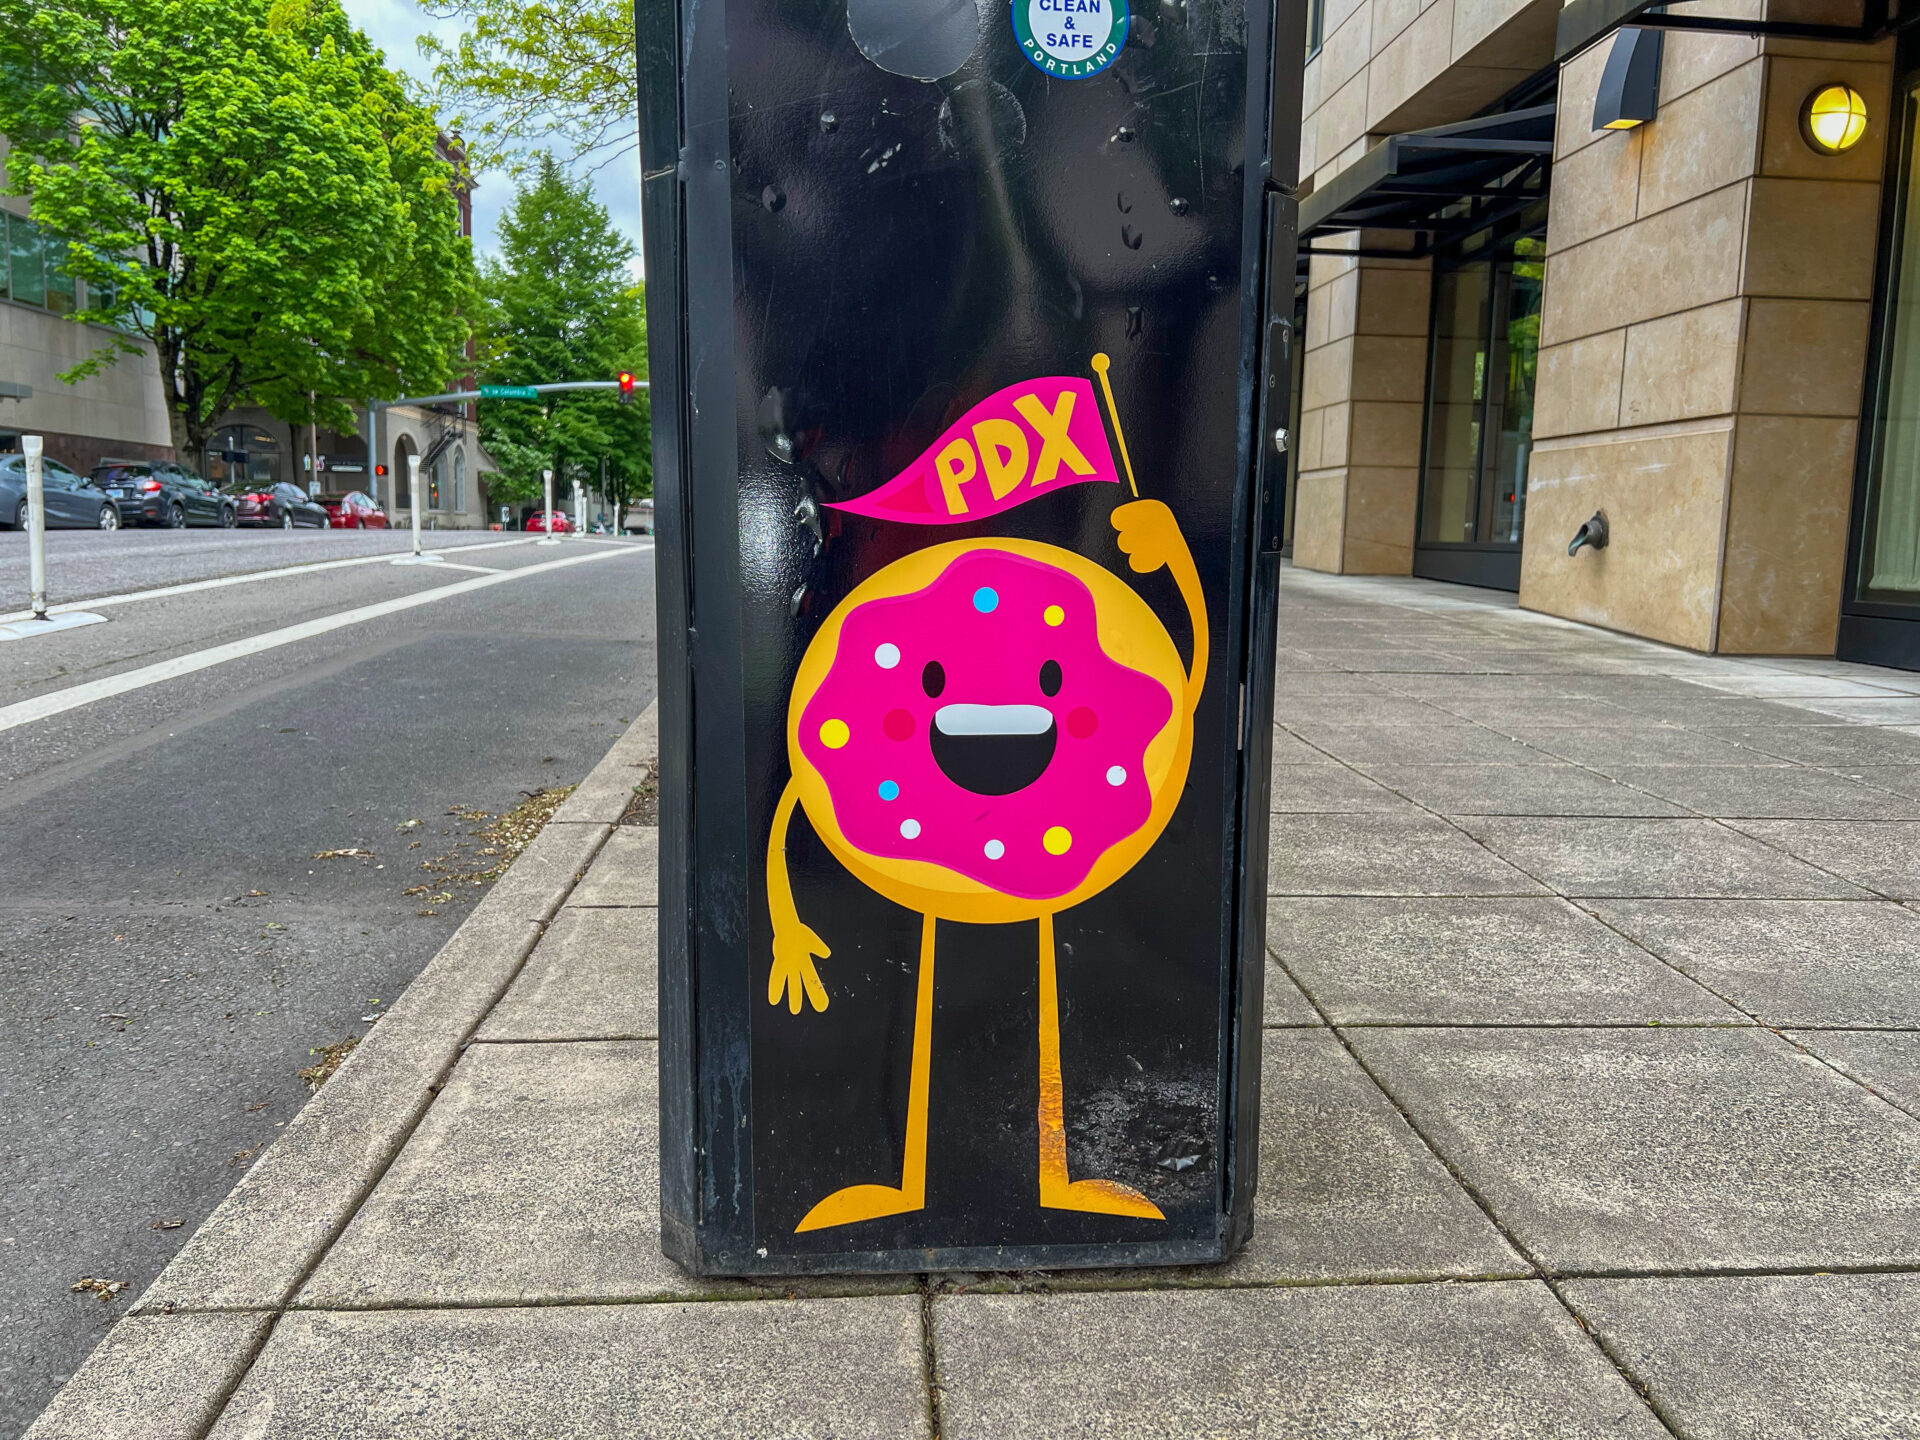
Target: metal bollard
[36,527]
[546,515]
[579,511]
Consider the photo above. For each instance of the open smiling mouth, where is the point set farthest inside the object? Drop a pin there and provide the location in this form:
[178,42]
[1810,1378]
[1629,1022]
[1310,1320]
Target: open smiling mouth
[993,749]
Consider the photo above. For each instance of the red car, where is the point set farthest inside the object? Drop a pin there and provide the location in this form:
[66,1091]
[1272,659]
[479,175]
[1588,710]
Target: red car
[354,510]
[553,522]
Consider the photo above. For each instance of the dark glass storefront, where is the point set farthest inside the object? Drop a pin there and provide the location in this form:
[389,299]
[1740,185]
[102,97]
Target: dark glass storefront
[1484,355]
[1880,616]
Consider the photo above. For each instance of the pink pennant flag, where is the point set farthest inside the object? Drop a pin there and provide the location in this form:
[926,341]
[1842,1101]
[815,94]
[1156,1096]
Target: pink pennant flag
[1016,445]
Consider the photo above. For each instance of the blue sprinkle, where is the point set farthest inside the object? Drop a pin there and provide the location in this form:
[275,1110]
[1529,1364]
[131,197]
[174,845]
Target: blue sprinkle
[889,790]
[986,600]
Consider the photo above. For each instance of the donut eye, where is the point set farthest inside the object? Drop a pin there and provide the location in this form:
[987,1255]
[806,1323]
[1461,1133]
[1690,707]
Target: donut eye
[933,679]
[1050,678]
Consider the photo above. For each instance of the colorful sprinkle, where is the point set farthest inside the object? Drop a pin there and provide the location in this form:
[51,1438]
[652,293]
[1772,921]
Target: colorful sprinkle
[889,790]
[1116,775]
[986,599]
[995,849]
[834,734]
[1057,840]
[1054,615]
[910,829]
[887,656]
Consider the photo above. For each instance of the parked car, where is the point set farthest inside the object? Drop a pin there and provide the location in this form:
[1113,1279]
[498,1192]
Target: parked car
[354,510]
[71,500]
[283,505]
[640,517]
[551,522]
[160,492]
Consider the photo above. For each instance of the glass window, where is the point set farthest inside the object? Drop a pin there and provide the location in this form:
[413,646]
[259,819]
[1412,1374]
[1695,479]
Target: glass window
[62,292]
[1316,24]
[1889,565]
[459,480]
[1480,385]
[27,274]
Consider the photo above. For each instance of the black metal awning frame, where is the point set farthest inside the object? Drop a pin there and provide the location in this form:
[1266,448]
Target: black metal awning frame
[1582,22]
[1496,177]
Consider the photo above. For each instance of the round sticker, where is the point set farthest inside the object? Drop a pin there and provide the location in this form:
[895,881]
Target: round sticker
[1070,38]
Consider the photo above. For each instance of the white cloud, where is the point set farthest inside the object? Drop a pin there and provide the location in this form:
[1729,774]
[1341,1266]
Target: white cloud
[395,26]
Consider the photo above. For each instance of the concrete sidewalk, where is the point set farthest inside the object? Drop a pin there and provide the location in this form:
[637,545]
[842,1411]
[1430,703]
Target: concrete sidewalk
[1592,1074]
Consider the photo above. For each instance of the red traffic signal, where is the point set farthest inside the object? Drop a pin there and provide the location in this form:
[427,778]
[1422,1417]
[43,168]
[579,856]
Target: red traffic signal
[379,469]
[626,387]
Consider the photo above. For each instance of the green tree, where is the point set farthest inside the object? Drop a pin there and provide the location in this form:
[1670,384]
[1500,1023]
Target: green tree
[559,302]
[244,183]
[540,70]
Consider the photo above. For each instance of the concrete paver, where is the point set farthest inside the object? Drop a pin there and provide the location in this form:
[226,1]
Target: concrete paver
[1662,1149]
[813,1370]
[1415,1362]
[1886,1061]
[1599,857]
[1758,792]
[1406,853]
[631,875]
[169,1374]
[1517,790]
[1328,789]
[1816,1357]
[592,977]
[1882,857]
[1479,961]
[1789,962]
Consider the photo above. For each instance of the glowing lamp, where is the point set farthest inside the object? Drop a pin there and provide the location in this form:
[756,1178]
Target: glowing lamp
[1833,119]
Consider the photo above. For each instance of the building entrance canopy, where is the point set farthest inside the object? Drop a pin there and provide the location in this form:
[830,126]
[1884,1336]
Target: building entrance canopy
[1582,22]
[1441,184]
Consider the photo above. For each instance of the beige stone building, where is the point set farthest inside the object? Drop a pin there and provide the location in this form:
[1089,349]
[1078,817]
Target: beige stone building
[1702,325]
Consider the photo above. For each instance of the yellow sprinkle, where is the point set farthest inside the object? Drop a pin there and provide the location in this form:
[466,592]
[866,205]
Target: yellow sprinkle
[834,734]
[1057,840]
[1053,615]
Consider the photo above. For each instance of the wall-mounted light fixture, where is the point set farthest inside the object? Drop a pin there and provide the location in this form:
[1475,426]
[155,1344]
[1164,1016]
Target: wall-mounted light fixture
[1629,93]
[1833,119]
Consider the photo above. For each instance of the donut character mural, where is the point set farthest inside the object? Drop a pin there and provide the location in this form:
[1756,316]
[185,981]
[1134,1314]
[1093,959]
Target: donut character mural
[990,731]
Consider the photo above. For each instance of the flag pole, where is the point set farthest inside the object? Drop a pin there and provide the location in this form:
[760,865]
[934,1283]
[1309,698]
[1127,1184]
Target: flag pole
[1100,363]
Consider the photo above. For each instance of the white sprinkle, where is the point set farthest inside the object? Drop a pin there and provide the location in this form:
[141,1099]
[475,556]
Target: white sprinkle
[910,829]
[995,849]
[1116,776]
[887,656]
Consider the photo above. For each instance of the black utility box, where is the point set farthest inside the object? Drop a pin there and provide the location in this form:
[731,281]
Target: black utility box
[970,327]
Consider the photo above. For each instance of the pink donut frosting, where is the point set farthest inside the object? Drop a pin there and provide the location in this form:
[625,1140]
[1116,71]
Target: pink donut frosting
[1016,667]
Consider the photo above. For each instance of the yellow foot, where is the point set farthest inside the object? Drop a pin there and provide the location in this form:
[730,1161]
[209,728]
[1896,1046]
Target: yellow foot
[860,1202]
[1096,1197]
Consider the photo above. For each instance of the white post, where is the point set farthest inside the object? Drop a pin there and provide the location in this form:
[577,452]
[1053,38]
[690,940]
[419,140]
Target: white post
[546,515]
[36,528]
[579,510]
[413,498]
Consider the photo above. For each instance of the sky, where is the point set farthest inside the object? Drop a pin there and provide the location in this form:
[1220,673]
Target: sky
[394,26]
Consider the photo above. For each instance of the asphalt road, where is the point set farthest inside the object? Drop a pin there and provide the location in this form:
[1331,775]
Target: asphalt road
[171,952]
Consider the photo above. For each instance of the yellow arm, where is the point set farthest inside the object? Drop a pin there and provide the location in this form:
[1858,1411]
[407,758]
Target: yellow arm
[794,945]
[1150,537]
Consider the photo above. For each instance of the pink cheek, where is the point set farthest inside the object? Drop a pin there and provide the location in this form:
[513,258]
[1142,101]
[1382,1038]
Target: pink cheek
[898,725]
[1082,722]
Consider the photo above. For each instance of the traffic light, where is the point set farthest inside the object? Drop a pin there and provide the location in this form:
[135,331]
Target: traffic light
[626,387]
[380,470]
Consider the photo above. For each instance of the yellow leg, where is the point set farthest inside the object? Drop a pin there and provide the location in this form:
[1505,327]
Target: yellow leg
[871,1202]
[1057,1192]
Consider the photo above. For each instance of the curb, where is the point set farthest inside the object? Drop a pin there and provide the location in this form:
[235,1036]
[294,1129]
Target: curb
[177,1355]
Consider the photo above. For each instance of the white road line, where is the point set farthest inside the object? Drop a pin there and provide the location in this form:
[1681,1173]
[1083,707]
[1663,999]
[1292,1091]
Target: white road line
[477,569]
[40,707]
[220,581]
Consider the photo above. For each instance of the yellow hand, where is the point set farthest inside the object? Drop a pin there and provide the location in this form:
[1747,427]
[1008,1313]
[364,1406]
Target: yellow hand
[1149,535]
[793,972]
